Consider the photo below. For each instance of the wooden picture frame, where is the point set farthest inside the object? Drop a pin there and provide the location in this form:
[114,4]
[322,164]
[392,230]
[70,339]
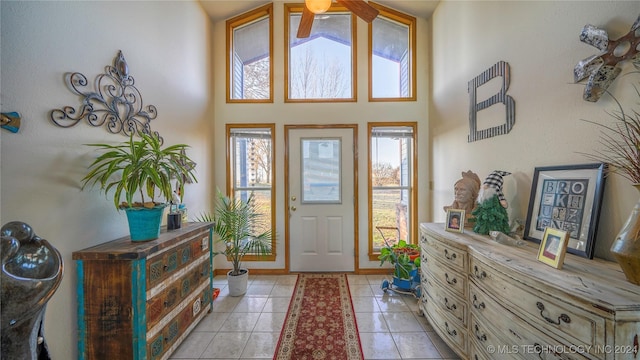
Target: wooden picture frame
[455,220]
[567,198]
[553,247]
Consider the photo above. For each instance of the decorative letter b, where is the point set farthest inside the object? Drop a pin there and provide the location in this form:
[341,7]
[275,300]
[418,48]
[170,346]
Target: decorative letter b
[501,68]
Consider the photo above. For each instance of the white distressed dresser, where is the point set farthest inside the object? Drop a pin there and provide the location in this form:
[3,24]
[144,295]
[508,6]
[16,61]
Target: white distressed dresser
[493,301]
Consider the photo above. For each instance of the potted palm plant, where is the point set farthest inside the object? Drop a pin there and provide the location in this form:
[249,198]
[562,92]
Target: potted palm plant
[239,229]
[141,169]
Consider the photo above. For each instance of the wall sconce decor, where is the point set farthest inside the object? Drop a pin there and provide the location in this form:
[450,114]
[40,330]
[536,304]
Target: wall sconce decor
[501,68]
[10,121]
[116,103]
[604,68]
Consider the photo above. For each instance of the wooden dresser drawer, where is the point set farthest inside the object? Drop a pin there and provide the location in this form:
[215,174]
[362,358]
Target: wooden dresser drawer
[449,329]
[548,314]
[487,342]
[515,337]
[163,265]
[447,301]
[448,255]
[172,295]
[478,352]
[162,342]
[450,279]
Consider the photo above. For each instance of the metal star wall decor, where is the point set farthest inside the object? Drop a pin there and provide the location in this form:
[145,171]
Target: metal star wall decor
[116,103]
[603,69]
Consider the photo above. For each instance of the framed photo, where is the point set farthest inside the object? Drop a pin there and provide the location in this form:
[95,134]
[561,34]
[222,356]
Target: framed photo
[553,247]
[455,220]
[567,198]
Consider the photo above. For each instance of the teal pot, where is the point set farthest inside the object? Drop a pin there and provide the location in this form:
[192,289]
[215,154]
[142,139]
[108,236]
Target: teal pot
[144,223]
[238,283]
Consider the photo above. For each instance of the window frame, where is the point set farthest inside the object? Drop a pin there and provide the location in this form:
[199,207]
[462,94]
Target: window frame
[242,20]
[231,189]
[405,19]
[335,8]
[413,178]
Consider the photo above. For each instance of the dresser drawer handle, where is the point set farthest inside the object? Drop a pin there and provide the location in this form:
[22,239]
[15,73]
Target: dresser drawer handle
[450,332]
[446,304]
[538,349]
[449,257]
[479,306]
[452,281]
[479,274]
[482,337]
[562,318]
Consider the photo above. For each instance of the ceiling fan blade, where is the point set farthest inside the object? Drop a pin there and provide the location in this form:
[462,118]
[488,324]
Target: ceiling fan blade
[361,8]
[306,22]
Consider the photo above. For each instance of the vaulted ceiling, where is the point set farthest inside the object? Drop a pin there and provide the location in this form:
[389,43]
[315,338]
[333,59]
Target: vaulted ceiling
[225,9]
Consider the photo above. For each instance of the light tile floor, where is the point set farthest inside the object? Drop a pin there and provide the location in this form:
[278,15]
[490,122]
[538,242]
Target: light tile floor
[248,327]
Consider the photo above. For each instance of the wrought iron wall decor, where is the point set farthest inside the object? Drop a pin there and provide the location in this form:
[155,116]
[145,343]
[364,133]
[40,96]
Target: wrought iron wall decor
[116,103]
[501,68]
[604,68]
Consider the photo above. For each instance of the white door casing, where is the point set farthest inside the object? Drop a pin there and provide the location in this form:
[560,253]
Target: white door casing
[321,199]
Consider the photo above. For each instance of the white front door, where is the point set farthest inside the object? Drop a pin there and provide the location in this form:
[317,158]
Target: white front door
[321,199]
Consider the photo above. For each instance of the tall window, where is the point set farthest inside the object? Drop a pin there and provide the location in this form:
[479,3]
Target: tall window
[321,67]
[392,56]
[392,192]
[249,56]
[251,169]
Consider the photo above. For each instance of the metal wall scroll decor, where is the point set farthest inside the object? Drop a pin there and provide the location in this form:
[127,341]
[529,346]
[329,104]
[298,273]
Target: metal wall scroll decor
[116,103]
[501,68]
[604,68]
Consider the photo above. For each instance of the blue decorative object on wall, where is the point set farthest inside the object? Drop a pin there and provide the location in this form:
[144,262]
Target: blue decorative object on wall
[10,121]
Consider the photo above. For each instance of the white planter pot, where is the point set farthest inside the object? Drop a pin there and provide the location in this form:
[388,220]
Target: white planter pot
[238,283]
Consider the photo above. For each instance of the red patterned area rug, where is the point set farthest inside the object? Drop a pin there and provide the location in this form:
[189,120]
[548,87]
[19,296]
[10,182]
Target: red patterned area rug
[320,322]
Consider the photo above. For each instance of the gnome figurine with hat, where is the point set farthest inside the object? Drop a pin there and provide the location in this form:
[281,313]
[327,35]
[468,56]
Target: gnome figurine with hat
[491,211]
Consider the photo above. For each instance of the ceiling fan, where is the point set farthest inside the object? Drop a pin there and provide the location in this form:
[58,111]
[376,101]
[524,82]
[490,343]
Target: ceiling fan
[313,7]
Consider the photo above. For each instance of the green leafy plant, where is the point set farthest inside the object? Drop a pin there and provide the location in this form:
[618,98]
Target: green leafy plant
[403,256]
[235,223]
[621,142]
[139,168]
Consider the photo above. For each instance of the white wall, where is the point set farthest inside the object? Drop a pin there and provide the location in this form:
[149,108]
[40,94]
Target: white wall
[167,46]
[359,113]
[540,41]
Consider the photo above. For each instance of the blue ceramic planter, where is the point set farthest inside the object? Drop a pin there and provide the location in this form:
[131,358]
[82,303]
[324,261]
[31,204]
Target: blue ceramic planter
[144,224]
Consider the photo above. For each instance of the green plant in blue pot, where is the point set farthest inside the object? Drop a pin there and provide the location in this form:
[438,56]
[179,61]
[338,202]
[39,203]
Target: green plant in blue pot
[142,171]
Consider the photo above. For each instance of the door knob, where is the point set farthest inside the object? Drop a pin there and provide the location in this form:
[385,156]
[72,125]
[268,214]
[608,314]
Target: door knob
[293,208]
[293,198]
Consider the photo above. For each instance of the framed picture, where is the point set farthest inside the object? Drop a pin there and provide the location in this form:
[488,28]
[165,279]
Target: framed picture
[455,220]
[567,198]
[553,247]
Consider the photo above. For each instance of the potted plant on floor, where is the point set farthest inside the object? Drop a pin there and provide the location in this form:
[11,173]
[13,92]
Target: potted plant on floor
[141,169]
[239,229]
[405,259]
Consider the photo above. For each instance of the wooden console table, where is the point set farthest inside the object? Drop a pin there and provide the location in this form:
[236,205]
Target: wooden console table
[492,301]
[140,300]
